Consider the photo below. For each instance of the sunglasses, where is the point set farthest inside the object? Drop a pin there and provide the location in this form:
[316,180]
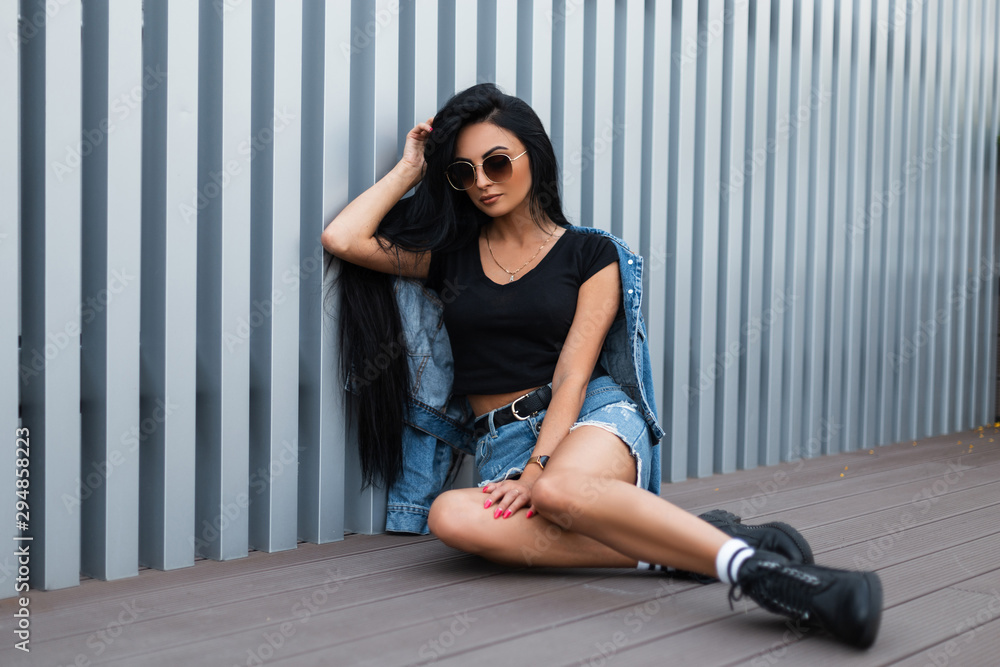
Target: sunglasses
[497,169]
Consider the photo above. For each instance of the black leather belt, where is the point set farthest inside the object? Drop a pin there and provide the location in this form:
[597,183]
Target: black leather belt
[519,410]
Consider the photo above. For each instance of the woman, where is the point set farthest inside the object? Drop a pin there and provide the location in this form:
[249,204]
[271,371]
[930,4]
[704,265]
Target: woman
[536,308]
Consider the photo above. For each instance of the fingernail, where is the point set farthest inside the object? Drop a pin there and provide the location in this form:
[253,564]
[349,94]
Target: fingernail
[487,504]
[486,489]
[507,514]
[496,515]
[530,513]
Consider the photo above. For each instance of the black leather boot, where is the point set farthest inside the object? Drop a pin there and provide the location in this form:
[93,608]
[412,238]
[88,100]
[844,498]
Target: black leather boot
[775,536]
[846,604]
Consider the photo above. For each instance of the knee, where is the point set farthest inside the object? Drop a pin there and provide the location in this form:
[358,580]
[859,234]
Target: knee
[446,519]
[553,496]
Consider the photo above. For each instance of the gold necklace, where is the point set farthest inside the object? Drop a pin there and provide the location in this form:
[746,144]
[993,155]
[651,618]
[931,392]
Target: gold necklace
[513,273]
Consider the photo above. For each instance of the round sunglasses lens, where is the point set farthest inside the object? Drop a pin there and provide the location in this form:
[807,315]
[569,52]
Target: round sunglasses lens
[497,168]
[462,175]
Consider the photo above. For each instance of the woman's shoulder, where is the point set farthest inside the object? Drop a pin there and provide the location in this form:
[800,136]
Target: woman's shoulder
[596,236]
[593,240]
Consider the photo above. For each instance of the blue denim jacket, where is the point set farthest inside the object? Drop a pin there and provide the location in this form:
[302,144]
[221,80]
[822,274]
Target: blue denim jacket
[437,422]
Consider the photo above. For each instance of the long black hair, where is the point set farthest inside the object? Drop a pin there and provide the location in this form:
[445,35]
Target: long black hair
[437,218]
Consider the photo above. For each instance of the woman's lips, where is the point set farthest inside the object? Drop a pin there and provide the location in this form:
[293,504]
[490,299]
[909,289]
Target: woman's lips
[489,200]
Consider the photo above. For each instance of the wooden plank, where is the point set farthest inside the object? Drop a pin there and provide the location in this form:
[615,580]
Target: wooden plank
[564,641]
[890,521]
[363,593]
[791,488]
[975,646]
[208,592]
[387,630]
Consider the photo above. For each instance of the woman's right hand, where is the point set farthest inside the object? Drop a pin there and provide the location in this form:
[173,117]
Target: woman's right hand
[413,150]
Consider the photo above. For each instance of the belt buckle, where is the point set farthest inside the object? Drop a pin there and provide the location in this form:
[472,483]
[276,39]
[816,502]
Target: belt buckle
[513,407]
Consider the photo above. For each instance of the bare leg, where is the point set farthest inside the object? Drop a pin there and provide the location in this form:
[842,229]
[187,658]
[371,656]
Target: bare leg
[591,514]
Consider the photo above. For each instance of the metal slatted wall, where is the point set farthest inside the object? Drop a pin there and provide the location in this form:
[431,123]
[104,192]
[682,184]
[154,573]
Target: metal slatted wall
[812,185]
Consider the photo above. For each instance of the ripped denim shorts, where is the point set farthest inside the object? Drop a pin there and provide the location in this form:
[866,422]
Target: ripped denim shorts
[503,452]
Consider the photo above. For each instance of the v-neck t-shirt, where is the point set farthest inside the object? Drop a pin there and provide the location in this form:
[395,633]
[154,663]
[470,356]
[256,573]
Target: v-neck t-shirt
[507,337]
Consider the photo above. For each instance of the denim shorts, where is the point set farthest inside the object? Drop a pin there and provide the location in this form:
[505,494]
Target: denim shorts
[503,452]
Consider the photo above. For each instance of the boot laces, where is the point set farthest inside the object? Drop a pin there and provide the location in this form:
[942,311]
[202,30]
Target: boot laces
[777,588]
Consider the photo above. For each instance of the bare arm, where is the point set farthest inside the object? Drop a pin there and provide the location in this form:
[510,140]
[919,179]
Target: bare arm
[351,235]
[596,307]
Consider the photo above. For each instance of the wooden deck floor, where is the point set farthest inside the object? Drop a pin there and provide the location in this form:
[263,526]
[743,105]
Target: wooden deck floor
[924,515]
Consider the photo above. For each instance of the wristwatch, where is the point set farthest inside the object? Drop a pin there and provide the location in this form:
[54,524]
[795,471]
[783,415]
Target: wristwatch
[540,460]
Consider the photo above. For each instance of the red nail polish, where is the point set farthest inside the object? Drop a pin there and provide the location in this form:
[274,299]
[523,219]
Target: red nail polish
[496,515]
[486,489]
[487,504]
[530,513]
[507,514]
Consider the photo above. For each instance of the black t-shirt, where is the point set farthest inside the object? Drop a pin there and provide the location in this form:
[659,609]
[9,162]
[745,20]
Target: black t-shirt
[508,337]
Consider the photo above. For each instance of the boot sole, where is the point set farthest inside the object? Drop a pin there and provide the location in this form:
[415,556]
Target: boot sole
[794,535]
[874,607]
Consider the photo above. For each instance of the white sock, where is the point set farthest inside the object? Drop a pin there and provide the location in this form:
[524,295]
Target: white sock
[643,565]
[730,558]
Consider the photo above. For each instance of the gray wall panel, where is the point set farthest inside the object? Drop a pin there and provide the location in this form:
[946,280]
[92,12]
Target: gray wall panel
[751,184]
[992,51]
[811,185]
[656,165]
[705,288]
[926,188]
[905,397]
[728,347]
[777,299]
[678,394]
[837,242]
[9,324]
[820,268]
[326,111]
[168,337]
[275,250]
[114,88]
[807,99]
[51,288]
[226,153]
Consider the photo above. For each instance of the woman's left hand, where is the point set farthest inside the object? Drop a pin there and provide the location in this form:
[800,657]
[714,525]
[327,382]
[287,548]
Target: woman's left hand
[507,497]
